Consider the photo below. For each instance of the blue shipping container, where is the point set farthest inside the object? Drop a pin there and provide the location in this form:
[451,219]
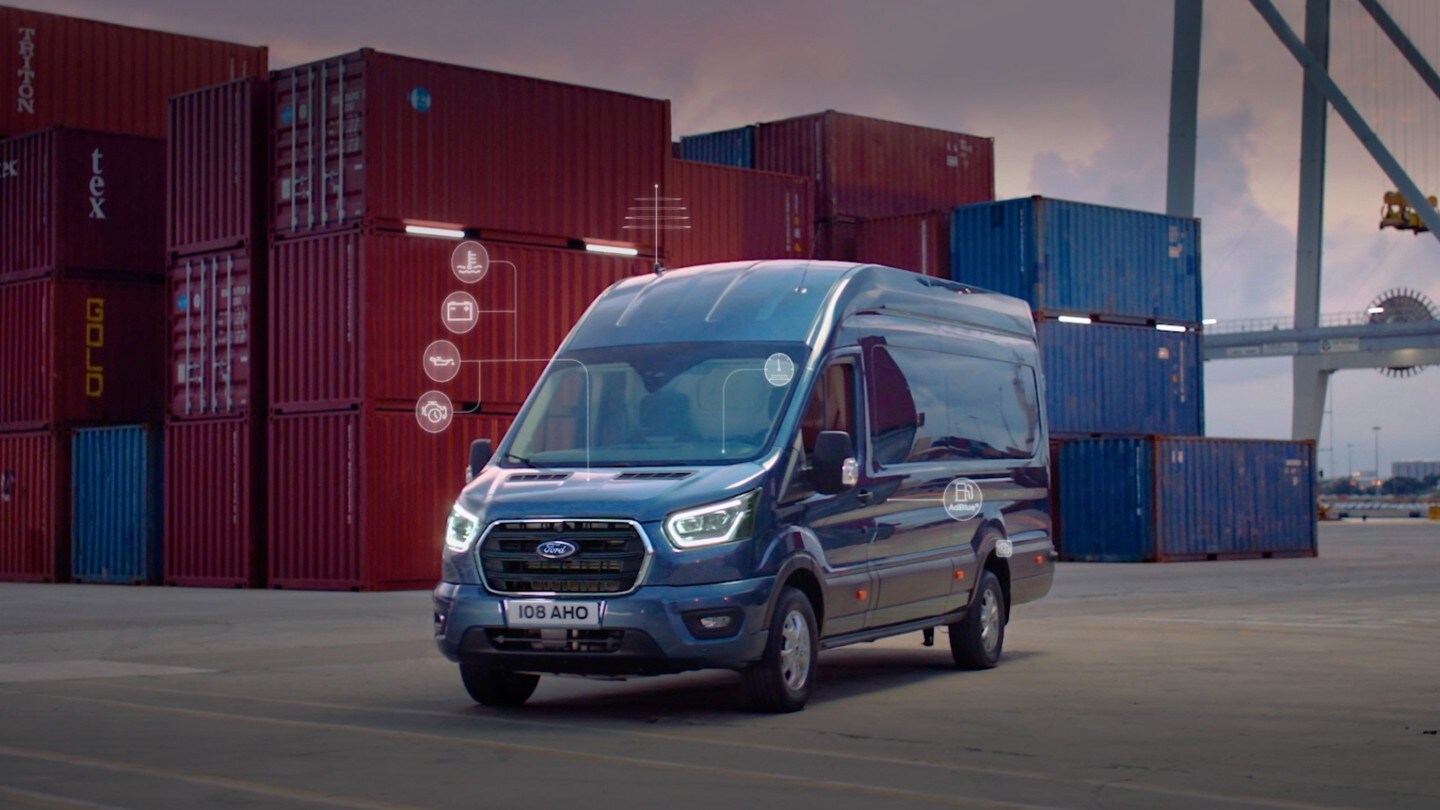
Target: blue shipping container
[1069,257]
[1121,380]
[731,147]
[115,509]
[1173,499]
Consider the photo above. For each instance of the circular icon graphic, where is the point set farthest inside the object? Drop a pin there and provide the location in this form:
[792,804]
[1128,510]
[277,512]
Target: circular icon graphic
[963,499]
[419,98]
[460,313]
[1004,549]
[434,412]
[442,361]
[779,370]
[470,261]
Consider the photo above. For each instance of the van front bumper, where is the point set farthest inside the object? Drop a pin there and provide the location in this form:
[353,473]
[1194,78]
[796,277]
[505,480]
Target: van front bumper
[642,633]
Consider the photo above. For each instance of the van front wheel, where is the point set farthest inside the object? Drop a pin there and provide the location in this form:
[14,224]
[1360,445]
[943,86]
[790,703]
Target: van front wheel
[977,639]
[782,679]
[492,686]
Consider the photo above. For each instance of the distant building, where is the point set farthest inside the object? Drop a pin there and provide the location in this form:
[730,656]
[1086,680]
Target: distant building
[1417,469]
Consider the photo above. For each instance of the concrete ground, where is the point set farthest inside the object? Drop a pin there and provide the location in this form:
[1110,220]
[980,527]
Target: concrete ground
[1275,683]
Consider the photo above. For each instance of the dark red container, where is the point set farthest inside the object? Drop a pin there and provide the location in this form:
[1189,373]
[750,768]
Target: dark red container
[358,500]
[81,73]
[214,518]
[835,239]
[917,242]
[80,351]
[218,178]
[34,507]
[216,337]
[866,167]
[352,316]
[385,141]
[736,214]
[75,199]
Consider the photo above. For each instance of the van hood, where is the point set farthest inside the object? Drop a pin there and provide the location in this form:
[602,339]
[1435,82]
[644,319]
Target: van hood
[643,494]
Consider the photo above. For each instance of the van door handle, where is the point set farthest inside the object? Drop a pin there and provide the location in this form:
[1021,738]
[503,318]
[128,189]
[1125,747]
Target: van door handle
[863,496]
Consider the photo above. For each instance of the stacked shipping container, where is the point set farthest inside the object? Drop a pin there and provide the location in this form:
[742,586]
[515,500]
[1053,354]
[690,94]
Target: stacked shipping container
[366,147]
[87,74]
[80,302]
[216,341]
[737,214]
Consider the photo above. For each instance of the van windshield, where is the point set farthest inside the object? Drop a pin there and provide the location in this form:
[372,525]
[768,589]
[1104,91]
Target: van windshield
[657,405]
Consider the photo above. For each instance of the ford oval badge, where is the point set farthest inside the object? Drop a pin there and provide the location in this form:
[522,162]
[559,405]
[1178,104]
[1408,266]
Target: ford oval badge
[556,549]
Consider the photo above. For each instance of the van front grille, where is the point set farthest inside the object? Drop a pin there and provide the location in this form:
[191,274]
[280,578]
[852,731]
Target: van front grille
[583,641]
[609,557]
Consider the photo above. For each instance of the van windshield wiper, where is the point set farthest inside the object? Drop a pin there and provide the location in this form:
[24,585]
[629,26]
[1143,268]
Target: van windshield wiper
[520,460]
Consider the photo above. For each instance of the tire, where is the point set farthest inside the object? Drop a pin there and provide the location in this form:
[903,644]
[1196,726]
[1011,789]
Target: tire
[782,679]
[977,640]
[491,686]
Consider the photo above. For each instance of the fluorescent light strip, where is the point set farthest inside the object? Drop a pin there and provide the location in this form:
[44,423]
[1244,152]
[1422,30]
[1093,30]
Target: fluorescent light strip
[1171,327]
[1374,310]
[613,250]
[1209,322]
[1073,319]
[442,233]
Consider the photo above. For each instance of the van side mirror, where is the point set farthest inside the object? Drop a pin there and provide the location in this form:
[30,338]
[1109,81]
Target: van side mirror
[833,467]
[480,452]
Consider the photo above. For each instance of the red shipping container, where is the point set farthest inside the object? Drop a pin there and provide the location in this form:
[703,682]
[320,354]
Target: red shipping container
[384,140]
[214,520]
[34,507]
[866,167]
[358,500]
[835,239]
[352,316]
[81,73]
[736,214]
[216,337]
[218,178]
[78,351]
[74,199]
[917,242]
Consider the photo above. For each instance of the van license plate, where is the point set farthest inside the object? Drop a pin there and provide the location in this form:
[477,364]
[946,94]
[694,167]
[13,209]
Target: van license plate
[552,613]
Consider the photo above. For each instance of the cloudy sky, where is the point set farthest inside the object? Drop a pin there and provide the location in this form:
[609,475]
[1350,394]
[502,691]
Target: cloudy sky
[1075,92]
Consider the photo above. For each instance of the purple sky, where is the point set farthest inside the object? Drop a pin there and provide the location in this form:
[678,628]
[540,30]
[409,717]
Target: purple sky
[1076,95]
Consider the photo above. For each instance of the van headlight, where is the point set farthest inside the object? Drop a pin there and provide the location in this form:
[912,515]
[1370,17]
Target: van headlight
[460,529]
[711,524]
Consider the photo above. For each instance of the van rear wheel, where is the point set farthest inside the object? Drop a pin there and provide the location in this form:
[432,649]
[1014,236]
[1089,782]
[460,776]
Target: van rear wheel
[977,640]
[493,686]
[782,679]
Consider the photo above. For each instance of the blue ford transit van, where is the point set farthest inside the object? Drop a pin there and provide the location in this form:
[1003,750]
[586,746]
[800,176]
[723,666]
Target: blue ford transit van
[740,465]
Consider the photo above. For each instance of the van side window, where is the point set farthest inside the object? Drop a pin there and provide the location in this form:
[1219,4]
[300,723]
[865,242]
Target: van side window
[831,407]
[930,406]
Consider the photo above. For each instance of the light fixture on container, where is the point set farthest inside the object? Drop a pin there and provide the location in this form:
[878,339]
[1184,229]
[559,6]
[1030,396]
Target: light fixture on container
[1171,327]
[434,233]
[1073,319]
[610,248]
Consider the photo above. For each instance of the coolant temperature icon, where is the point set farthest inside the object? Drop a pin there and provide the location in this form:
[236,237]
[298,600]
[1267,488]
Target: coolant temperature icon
[470,261]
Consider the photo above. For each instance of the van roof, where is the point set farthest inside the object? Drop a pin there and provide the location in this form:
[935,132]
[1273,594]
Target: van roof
[781,301]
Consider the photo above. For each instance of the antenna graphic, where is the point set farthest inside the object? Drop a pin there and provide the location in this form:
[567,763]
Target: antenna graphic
[659,214]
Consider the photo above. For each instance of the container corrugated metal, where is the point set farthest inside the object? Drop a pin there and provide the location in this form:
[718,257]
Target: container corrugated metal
[738,214]
[214,515]
[80,351]
[352,315]
[1112,379]
[335,520]
[216,339]
[217,154]
[730,147]
[115,505]
[1175,499]
[79,200]
[915,242]
[34,528]
[835,239]
[1069,257]
[866,167]
[399,141]
[81,73]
